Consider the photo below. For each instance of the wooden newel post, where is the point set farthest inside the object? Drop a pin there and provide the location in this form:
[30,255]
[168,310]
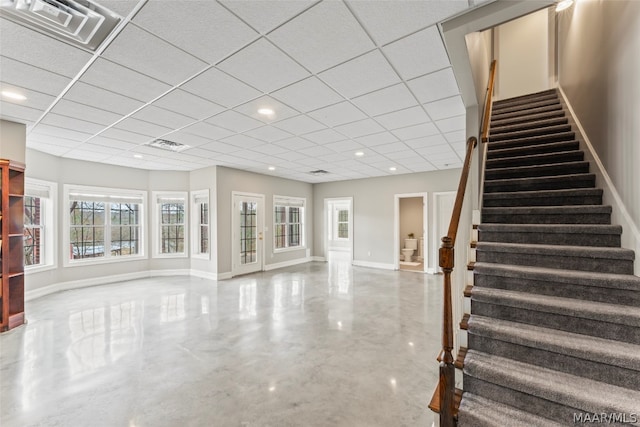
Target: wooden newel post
[447,369]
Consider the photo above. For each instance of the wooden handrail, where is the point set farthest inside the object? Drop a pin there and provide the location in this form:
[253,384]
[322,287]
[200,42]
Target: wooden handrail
[488,102]
[446,385]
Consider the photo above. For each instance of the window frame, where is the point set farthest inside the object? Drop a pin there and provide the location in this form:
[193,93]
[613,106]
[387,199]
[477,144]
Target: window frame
[157,196]
[48,220]
[289,202]
[338,222]
[109,196]
[196,225]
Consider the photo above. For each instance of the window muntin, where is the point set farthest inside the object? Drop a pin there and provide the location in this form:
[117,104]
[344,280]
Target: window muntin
[172,225]
[39,218]
[125,229]
[200,232]
[87,229]
[288,218]
[204,228]
[33,231]
[343,224]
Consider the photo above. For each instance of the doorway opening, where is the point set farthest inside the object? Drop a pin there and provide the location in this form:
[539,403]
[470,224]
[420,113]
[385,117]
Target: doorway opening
[442,208]
[247,245]
[410,232]
[338,239]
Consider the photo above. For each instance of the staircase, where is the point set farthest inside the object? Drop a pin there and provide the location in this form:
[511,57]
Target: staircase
[554,331]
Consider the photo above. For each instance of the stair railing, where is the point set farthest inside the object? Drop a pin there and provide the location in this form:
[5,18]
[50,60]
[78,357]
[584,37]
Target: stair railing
[446,384]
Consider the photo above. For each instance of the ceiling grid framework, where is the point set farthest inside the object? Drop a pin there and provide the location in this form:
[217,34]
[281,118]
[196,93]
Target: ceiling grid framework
[340,76]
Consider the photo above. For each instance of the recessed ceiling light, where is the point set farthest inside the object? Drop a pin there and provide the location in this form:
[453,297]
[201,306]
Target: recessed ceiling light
[13,95]
[265,111]
[359,153]
[272,168]
[392,168]
[564,4]
[138,156]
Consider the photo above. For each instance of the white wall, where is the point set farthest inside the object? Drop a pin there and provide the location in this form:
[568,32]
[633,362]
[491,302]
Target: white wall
[522,50]
[599,69]
[13,138]
[373,210]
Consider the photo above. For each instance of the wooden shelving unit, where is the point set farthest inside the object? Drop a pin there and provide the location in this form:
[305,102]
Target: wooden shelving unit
[11,256]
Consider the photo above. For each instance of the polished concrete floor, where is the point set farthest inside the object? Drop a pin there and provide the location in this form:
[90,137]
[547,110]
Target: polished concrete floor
[319,344]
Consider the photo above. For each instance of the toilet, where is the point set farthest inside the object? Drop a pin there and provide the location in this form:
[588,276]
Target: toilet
[410,245]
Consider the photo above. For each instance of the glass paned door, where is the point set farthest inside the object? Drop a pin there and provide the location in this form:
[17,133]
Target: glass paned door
[247,245]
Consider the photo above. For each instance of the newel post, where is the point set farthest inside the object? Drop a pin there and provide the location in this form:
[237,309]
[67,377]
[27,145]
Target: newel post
[447,369]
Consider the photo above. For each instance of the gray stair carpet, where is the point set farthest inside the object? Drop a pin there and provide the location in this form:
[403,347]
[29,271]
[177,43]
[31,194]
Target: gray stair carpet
[554,328]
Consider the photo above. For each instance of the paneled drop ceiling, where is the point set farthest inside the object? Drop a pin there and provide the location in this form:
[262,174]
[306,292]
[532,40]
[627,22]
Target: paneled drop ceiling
[341,77]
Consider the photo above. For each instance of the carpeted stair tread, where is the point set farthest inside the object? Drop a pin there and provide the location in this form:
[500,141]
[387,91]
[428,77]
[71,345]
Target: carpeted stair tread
[527,97]
[536,159]
[528,118]
[552,234]
[477,411]
[579,309]
[540,170]
[524,141]
[542,148]
[572,391]
[585,278]
[535,124]
[553,182]
[523,108]
[566,197]
[569,214]
[585,347]
[530,133]
[527,113]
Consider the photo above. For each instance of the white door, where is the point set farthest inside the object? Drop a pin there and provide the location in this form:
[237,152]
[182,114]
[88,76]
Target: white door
[443,208]
[248,232]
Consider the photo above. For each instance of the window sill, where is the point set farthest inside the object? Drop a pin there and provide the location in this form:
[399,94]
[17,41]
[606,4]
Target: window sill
[94,261]
[39,268]
[174,255]
[201,256]
[295,248]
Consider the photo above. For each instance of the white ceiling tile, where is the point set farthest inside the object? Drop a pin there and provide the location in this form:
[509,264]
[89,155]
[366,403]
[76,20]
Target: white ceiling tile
[417,131]
[401,156]
[248,154]
[160,116]
[434,86]
[403,118]
[317,151]
[263,66]
[390,148]
[185,103]
[110,76]
[243,141]
[220,88]
[291,156]
[434,150]
[101,98]
[19,113]
[377,139]
[424,167]
[124,135]
[456,136]
[426,141]
[268,134]
[55,150]
[270,149]
[451,124]
[218,147]
[50,139]
[42,52]
[324,136]
[280,111]
[71,123]
[360,128]
[202,28]
[142,127]
[29,77]
[114,143]
[333,158]
[36,100]
[418,54]
[120,7]
[343,146]
[338,114]
[264,16]
[234,121]
[386,100]
[186,138]
[308,95]
[448,107]
[89,156]
[299,125]
[364,74]
[85,112]
[158,59]
[323,36]
[96,148]
[295,143]
[208,131]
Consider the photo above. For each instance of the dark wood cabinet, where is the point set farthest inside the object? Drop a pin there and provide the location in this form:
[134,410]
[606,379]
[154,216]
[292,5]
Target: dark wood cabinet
[11,255]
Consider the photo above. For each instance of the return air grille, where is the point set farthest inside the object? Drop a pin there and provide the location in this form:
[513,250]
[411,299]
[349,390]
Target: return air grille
[79,22]
[164,144]
[319,172]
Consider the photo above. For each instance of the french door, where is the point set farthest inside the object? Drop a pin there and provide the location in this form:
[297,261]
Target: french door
[248,233]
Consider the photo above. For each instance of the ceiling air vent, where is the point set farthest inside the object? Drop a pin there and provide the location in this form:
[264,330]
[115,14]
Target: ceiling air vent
[164,144]
[319,172]
[79,22]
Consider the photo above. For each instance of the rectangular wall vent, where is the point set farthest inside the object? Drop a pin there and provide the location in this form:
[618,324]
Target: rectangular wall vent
[79,22]
[164,144]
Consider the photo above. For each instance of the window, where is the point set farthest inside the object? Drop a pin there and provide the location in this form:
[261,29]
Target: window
[104,224]
[170,214]
[200,224]
[343,224]
[288,222]
[39,211]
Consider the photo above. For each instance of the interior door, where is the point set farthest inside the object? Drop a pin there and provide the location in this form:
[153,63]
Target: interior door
[248,233]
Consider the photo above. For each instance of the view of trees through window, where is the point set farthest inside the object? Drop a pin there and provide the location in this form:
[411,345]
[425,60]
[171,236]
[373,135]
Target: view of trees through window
[343,224]
[172,227]
[32,230]
[287,226]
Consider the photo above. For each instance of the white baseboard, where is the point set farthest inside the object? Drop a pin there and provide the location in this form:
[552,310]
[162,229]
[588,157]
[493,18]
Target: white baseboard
[432,271]
[318,259]
[204,274]
[290,263]
[225,276]
[619,215]
[369,264]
